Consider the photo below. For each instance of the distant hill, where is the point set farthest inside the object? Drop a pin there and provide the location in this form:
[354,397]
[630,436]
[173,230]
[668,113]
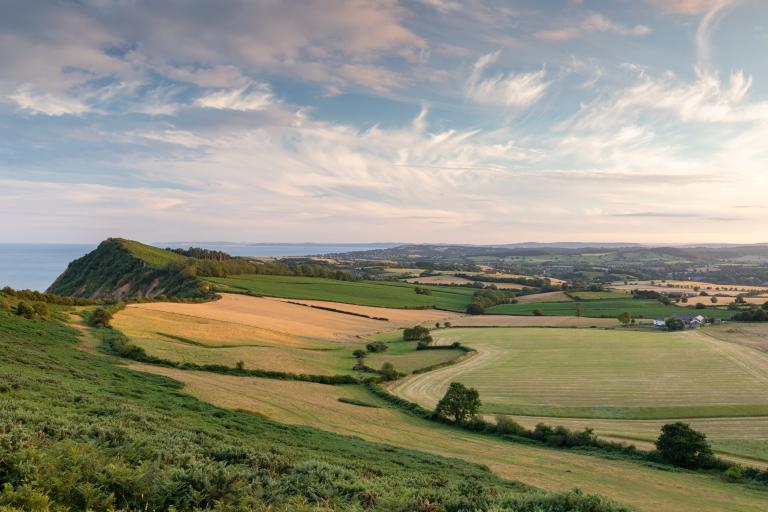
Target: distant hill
[120,268]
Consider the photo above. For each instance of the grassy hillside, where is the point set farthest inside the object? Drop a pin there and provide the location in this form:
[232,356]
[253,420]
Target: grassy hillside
[120,268]
[366,293]
[80,433]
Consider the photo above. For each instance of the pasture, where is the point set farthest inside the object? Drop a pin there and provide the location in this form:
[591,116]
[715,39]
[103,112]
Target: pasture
[605,308]
[318,406]
[388,294]
[602,374]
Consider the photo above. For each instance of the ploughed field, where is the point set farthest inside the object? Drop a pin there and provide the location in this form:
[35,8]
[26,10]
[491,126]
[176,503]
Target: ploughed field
[612,375]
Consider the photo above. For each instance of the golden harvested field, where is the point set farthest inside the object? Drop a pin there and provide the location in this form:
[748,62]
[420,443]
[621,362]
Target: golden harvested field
[317,405]
[543,297]
[291,320]
[707,301]
[532,321]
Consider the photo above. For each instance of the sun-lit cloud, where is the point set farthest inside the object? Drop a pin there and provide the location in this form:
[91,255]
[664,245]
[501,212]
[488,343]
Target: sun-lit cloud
[590,24]
[396,120]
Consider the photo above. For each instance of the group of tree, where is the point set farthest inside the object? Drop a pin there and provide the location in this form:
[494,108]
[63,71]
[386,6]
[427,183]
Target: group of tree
[486,298]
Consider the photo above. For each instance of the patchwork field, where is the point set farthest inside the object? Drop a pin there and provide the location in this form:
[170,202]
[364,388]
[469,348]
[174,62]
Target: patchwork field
[601,308]
[318,405]
[388,294]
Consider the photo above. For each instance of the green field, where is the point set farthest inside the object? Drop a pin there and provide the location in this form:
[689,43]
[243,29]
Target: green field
[640,308]
[608,374]
[366,293]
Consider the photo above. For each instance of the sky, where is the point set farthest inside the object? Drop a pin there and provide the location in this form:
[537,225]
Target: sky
[476,121]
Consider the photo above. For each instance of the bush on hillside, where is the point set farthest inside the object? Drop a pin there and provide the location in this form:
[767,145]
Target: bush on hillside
[100,317]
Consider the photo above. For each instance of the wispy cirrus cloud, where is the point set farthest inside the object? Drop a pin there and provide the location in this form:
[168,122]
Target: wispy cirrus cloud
[510,90]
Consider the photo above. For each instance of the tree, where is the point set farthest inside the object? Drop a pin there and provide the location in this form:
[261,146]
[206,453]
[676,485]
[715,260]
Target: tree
[674,324]
[377,346]
[682,446]
[475,308]
[460,403]
[625,318]
[415,333]
[388,371]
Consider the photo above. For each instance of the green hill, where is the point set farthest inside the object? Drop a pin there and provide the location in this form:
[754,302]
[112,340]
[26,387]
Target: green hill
[120,268]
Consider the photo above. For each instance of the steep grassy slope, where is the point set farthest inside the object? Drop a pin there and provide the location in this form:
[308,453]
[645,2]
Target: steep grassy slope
[79,433]
[120,268]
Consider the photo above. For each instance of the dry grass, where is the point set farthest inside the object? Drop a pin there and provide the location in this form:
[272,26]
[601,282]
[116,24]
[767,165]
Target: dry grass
[397,317]
[317,405]
[543,297]
[753,335]
[266,315]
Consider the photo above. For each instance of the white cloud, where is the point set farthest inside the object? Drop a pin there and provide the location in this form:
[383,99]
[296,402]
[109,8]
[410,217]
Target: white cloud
[593,23]
[255,96]
[511,90]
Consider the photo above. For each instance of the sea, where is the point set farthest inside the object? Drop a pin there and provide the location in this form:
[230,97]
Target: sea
[36,266]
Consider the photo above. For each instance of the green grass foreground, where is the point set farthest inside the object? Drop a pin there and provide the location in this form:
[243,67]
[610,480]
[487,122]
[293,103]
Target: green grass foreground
[389,294]
[79,433]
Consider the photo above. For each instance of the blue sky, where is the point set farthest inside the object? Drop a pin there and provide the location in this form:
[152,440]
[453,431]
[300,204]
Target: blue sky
[474,121]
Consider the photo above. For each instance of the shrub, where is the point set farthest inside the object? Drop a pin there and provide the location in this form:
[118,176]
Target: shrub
[507,426]
[100,317]
[25,310]
[682,446]
[41,309]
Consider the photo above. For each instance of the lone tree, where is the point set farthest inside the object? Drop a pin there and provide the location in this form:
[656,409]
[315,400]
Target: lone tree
[682,446]
[460,403]
[625,318]
[674,324]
